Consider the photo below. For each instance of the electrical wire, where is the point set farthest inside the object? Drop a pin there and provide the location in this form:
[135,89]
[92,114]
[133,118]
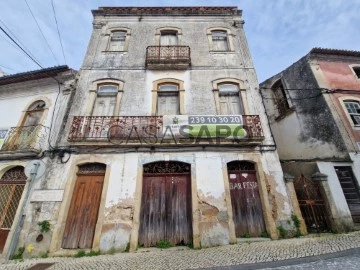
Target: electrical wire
[19,41]
[36,62]
[57,26]
[8,68]
[32,14]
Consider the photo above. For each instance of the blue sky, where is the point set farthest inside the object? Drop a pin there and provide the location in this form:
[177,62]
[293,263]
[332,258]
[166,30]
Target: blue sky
[279,32]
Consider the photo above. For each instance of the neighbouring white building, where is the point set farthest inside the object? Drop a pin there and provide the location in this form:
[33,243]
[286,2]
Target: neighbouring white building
[33,106]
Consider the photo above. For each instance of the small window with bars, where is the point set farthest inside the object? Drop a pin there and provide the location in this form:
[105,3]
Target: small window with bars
[353,109]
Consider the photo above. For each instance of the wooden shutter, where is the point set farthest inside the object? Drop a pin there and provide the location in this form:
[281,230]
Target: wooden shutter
[230,104]
[168,105]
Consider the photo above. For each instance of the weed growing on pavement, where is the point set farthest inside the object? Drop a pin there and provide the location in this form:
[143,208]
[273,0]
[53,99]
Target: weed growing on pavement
[297,224]
[44,255]
[19,254]
[264,234]
[282,232]
[246,235]
[163,244]
[80,254]
[127,249]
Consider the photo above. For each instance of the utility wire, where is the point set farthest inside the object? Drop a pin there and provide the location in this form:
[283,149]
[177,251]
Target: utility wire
[19,41]
[8,68]
[57,26]
[36,62]
[32,14]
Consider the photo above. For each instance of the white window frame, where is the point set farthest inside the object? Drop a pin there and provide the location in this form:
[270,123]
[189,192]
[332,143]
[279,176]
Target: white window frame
[353,67]
[345,99]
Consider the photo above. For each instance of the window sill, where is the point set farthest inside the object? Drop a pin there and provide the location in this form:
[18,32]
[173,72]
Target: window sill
[222,52]
[285,114]
[114,51]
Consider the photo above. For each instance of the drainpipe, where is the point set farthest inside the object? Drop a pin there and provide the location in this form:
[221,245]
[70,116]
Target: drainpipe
[20,222]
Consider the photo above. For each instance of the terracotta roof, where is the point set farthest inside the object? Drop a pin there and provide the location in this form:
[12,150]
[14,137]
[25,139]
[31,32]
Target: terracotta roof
[335,52]
[33,75]
[159,11]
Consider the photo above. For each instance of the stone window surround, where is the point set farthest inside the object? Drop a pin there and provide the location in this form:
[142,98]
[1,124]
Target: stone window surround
[93,94]
[155,91]
[162,29]
[44,115]
[342,101]
[353,71]
[230,36]
[108,35]
[242,93]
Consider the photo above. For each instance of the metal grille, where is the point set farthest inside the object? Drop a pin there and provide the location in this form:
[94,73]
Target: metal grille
[253,127]
[26,138]
[311,204]
[168,55]
[92,168]
[12,185]
[237,166]
[119,127]
[166,167]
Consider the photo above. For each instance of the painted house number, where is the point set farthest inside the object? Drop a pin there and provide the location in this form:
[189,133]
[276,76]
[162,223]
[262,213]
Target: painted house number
[243,185]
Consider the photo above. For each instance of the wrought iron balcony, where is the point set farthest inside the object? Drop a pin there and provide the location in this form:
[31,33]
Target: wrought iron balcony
[23,138]
[164,57]
[145,130]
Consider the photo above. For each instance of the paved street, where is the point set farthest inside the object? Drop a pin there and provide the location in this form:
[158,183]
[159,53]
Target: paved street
[259,255]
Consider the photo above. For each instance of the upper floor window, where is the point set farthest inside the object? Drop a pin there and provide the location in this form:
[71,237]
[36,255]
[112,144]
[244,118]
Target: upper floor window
[356,70]
[105,102]
[219,41]
[229,99]
[168,38]
[281,101]
[168,99]
[34,114]
[118,39]
[353,108]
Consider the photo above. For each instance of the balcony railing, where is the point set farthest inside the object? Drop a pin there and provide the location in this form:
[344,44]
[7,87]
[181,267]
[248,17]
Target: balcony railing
[25,138]
[141,129]
[162,57]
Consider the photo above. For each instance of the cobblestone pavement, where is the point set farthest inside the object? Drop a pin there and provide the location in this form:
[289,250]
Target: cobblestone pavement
[246,253]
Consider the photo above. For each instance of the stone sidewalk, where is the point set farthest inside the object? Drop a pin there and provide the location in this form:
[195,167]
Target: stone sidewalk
[184,258]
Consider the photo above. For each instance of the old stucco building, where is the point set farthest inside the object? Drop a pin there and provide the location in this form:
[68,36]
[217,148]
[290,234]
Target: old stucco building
[32,106]
[166,140]
[314,113]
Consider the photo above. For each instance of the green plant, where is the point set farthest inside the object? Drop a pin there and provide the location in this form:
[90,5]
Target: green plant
[163,244]
[246,235]
[282,231]
[80,253]
[297,224]
[19,254]
[44,226]
[44,255]
[127,249]
[190,244]
[93,253]
[264,234]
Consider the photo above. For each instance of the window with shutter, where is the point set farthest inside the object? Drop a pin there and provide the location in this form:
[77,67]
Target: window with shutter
[168,100]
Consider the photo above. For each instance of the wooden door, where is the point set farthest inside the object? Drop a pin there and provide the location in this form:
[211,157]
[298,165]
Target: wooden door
[12,185]
[246,202]
[350,189]
[83,213]
[165,210]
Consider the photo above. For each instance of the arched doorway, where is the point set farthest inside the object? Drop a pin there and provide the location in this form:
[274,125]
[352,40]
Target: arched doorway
[12,185]
[245,199]
[84,208]
[166,213]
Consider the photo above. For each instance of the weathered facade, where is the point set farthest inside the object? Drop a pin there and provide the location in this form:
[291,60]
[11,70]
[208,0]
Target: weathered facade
[313,108]
[168,137]
[32,106]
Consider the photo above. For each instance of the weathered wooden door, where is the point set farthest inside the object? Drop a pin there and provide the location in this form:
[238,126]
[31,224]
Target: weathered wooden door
[312,204]
[350,189]
[166,205]
[12,185]
[245,199]
[83,213]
